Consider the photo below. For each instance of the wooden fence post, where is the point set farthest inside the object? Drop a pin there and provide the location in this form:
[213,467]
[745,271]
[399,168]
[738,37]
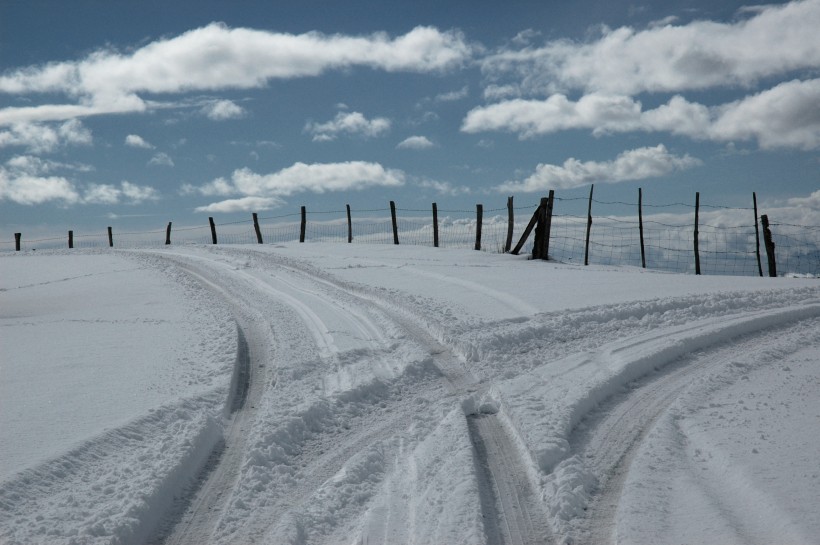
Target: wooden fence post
[589,225]
[256,227]
[168,234]
[213,229]
[767,240]
[17,237]
[640,226]
[757,236]
[71,239]
[303,225]
[479,218]
[349,225]
[540,230]
[548,229]
[435,225]
[395,225]
[110,237]
[510,224]
[697,254]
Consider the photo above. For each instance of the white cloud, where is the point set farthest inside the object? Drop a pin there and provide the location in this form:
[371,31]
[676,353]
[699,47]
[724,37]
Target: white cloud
[637,164]
[245,204]
[444,188]
[452,96]
[44,138]
[136,141]
[776,40]
[126,193]
[299,178]
[28,189]
[161,159]
[812,201]
[222,110]
[785,116]
[415,142]
[352,123]
[217,57]
[24,180]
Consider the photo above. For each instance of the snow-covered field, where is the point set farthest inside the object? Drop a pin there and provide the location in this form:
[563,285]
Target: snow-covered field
[333,393]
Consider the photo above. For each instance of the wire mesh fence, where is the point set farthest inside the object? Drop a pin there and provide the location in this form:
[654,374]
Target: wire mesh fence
[661,236]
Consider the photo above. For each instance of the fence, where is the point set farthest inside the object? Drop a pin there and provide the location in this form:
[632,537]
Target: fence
[704,238]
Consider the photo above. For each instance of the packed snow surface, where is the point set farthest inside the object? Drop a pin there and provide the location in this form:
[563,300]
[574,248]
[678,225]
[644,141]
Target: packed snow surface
[333,393]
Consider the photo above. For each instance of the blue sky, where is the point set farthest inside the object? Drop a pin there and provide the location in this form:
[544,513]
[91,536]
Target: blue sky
[137,113]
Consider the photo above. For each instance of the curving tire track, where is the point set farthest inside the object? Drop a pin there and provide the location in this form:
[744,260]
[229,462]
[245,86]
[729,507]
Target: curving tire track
[610,437]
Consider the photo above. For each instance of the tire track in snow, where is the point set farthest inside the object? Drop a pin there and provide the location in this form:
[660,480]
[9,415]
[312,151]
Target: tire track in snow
[195,523]
[512,512]
[610,437]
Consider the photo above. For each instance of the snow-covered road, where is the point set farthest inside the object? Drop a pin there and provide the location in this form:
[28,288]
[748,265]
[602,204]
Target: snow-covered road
[375,394]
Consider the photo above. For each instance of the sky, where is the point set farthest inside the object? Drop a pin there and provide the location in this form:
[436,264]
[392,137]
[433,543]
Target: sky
[133,114]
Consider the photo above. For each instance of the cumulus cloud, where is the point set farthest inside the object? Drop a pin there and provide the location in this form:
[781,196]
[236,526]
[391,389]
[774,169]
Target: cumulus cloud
[28,180]
[350,123]
[218,57]
[161,159]
[222,110]
[775,40]
[44,138]
[784,116]
[244,204]
[444,188]
[637,164]
[298,178]
[136,141]
[415,142]
[453,96]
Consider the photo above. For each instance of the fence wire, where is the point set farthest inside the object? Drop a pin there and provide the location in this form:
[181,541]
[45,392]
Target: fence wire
[727,240]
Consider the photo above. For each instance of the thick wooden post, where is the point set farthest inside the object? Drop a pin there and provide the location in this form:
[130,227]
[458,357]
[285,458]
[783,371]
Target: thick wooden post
[110,237]
[168,234]
[435,225]
[349,225]
[640,226]
[213,230]
[71,239]
[757,236]
[548,228]
[589,225]
[479,218]
[510,224]
[395,225]
[697,254]
[767,240]
[303,225]
[540,230]
[256,228]
[17,237]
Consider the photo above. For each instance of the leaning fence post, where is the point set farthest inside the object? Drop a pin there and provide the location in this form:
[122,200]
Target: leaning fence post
[640,226]
[256,227]
[395,225]
[435,225]
[589,225]
[71,239]
[17,241]
[168,234]
[303,225]
[697,254]
[213,229]
[528,229]
[349,226]
[767,240]
[757,236]
[479,218]
[510,224]
[110,237]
